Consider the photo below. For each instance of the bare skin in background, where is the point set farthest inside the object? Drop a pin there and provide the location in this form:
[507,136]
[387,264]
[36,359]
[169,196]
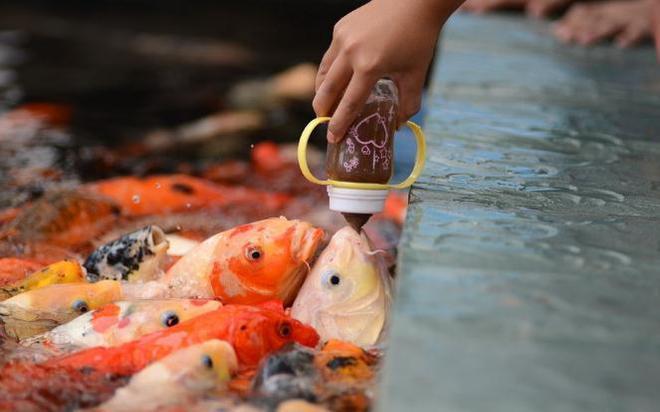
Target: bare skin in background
[534,8]
[626,22]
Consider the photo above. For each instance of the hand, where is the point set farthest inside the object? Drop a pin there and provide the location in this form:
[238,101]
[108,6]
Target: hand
[383,38]
[628,22]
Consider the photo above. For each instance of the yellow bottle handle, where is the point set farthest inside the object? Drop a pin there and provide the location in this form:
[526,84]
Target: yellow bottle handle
[420,158]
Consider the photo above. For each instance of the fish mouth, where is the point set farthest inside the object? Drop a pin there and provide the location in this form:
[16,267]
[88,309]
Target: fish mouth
[305,334]
[309,243]
[305,244]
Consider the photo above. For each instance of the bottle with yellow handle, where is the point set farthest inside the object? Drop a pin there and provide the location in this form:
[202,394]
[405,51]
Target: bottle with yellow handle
[360,166]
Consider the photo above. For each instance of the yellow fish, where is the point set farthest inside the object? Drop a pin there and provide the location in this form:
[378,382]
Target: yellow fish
[40,310]
[122,322]
[181,376]
[347,295]
[65,271]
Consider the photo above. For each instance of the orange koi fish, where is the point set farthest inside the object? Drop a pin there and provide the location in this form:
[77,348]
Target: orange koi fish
[52,114]
[162,194]
[253,331]
[69,219]
[341,361]
[249,264]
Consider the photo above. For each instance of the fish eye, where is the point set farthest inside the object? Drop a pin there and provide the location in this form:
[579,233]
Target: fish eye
[80,306]
[284,329]
[253,253]
[331,278]
[169,319]
[207,362]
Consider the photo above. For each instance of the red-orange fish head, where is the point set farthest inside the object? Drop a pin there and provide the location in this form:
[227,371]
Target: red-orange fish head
[267,332]
[265,260]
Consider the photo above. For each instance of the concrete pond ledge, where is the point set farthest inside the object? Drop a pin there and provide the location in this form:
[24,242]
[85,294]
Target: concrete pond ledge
[529,269]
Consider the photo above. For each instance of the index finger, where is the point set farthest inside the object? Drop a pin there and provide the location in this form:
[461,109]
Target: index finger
[350,105]
[326,63]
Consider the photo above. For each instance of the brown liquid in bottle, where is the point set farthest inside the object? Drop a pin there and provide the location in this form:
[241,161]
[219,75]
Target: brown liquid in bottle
[366,152]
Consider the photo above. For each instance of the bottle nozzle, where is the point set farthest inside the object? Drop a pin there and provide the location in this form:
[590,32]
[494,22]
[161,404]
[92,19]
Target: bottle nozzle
[356,220]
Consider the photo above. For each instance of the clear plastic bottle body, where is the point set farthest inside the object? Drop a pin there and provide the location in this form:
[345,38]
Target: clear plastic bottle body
[366,153]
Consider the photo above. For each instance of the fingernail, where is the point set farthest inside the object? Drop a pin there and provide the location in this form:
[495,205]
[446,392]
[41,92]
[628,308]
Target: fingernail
[331,137]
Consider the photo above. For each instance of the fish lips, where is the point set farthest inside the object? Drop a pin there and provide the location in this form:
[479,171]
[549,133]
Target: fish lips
[306,244]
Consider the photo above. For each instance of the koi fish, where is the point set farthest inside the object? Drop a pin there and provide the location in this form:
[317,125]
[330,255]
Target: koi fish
[249,264]
[286,374]
[181,376]
[396,206]
[299,405]
[14,270]
[345,362]
[123,321]
[164,194]
[40,310]
[66,218]
[253,331]
[180,245]
[65,271]
[52,114]
[135,257]
[339,373]
[348,292]
[26,386]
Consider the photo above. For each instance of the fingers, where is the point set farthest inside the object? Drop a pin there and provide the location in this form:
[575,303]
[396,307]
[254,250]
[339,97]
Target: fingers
[543,8]
[330,90]
[584,25]
[484,6]
[326,63]
[410,96]
[630,36]
[350,105]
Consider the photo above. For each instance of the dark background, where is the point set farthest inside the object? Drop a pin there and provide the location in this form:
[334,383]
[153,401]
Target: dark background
[86,54]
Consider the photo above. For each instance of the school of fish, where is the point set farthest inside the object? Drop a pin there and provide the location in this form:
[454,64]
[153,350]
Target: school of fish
[131,312]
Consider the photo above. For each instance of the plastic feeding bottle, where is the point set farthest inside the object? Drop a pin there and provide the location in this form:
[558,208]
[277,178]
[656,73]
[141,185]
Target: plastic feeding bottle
[360,166]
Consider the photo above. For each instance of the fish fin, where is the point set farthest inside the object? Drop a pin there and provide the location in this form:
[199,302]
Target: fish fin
[21,323]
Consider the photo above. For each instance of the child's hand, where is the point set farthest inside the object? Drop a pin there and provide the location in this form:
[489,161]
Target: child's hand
[383,38]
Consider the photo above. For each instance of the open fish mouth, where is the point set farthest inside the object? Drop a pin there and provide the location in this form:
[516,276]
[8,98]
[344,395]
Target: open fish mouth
[135,256]
[309,243]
